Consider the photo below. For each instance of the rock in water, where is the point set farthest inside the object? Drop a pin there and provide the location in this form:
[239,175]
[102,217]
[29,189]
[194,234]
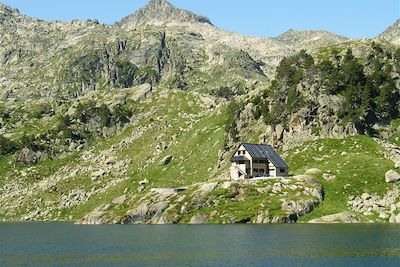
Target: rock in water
[343,217]
[392,177]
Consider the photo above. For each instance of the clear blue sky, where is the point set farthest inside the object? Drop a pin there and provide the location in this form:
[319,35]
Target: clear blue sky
[352,18]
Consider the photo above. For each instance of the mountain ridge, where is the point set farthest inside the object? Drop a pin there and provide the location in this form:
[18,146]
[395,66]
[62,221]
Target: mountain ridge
[309,39]
[104,122]
[391,34]
[161,12]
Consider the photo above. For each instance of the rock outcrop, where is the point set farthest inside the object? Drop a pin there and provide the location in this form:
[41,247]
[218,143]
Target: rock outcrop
[392,34]
[309,40]
[208,203]
[372,204]
[392,176]
[343,217]
[161,12]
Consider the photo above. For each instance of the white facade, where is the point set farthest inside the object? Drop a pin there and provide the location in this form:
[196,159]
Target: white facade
[244,166]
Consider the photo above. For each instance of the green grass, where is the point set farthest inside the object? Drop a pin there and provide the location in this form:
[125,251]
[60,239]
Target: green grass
[194,157]
[363,168]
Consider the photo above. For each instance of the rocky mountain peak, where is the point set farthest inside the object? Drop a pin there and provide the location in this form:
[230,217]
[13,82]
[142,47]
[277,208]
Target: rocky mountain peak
[392,34]
[161,12]
[6,10]
[309,39]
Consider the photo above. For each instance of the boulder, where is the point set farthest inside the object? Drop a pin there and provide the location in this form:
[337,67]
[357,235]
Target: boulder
[394,218]
[98,173]
[365,196]
[27,156]
[383,215]
[145,181]
[147,212]
[198,219]
[313,171]
[110,161]
[120,200]
[397,164]
[141,92]
[206,188]
[343,217]
[96,217]
[392,176]
[329,177]
[166,160]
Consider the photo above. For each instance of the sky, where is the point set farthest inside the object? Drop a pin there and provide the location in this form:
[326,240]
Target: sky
[266,18]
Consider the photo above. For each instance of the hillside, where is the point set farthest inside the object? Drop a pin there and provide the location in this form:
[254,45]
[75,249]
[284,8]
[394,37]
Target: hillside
[391,34]
[136,122]
[309,40]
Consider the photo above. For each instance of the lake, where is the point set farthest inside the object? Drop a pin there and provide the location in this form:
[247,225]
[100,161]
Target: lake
[62,244]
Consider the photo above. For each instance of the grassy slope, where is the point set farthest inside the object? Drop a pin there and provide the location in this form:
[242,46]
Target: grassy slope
[363,168]
[195,150]
[194,157]
[198,137]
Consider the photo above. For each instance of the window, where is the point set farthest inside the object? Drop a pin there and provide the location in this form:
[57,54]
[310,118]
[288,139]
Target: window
[282,170]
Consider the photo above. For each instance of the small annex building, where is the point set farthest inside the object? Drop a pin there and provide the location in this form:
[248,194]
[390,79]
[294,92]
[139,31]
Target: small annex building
[257,160]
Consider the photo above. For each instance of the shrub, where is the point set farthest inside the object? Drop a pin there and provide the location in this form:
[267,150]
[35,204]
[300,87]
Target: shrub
[7,146]
[126,73]
[224,92]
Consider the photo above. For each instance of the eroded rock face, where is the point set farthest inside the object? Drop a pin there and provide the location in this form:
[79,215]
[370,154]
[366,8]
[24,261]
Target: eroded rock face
[161,12]
[392,34]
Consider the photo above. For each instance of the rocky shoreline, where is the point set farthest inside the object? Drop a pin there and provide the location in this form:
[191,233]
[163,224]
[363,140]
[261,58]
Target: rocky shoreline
[281,200]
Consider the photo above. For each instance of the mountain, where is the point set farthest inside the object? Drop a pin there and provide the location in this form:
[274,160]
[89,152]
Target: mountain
[392,34]
[137,121]
[161,12]
[309,40]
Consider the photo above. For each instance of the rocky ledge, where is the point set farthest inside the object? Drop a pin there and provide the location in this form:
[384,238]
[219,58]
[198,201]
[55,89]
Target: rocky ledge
[281,200]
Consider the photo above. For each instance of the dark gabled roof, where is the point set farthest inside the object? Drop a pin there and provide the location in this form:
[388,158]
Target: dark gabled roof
[238,158]
[258,151]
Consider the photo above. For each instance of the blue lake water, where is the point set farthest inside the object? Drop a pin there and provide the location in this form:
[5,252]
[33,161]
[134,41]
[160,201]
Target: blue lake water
[59,244]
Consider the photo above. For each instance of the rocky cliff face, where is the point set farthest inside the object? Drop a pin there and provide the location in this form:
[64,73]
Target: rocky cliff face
[309,40]
[392,34]
[90,112]
[161,12]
